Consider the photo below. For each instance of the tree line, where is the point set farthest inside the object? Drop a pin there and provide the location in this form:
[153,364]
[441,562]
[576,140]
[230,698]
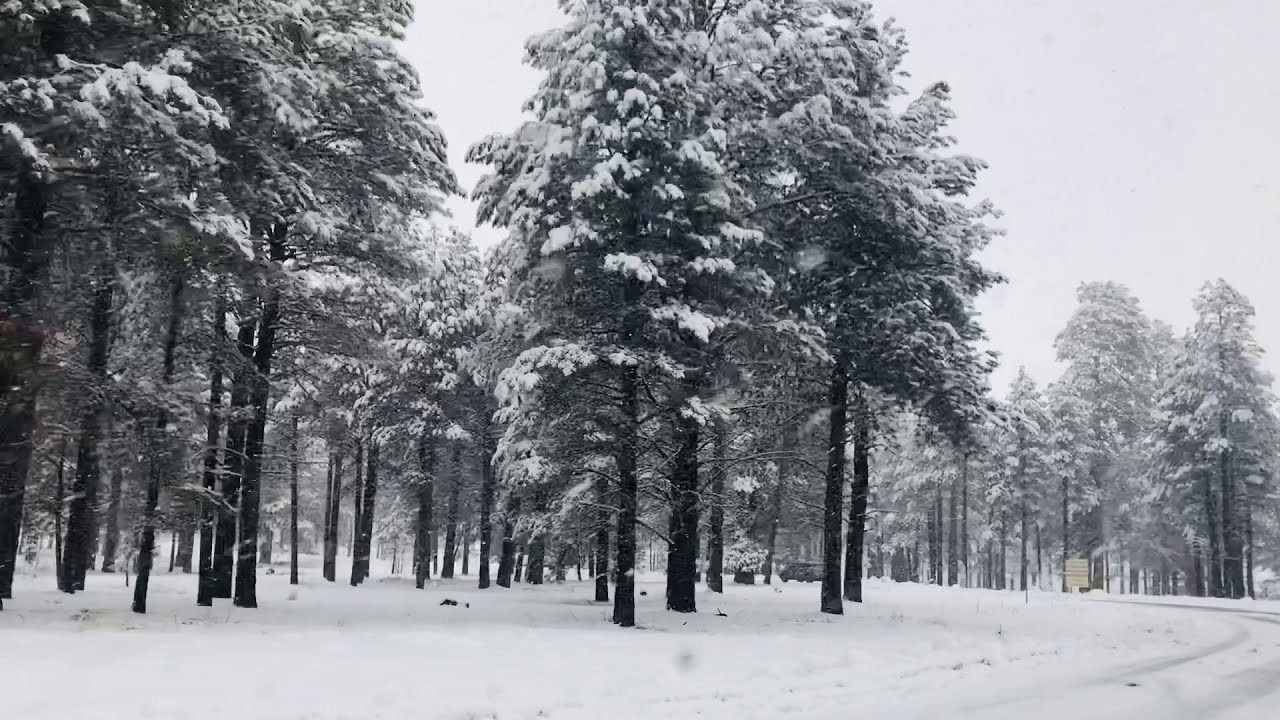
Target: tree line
[736,285]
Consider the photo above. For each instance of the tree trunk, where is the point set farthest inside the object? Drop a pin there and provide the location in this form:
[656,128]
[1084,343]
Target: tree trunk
[111,541]
[82,526]
[600,570]
[209,479]
[519,563]
[953,533]
[507,560]
[1247,510]
[1232,538]
[1066,529]
[964,517]
[59,499]
[683,565]
[465,550]
[357,514]
[293,499]
[234,460]
[1214,569]
[856,544]
[21,340]
[364,542]
[426,492]
[536,559]
[334,505]
[162,455]
[775,517]
[834,497]
[451,516]
[488,447]
[715,540]
[626,449]
[1024,511]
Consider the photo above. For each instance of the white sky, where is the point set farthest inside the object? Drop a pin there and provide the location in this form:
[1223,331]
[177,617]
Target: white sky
[1133,140]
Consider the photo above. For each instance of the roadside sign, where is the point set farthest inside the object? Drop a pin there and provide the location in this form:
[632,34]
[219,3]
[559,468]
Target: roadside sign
[1078,573]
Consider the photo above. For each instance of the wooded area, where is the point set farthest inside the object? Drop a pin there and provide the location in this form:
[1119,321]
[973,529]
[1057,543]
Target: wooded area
[730,327]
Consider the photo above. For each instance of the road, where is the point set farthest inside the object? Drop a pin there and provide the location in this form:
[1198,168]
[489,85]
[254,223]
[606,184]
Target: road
[1237,678]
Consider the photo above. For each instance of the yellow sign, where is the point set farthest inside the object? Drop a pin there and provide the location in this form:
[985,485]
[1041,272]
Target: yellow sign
[1078,573]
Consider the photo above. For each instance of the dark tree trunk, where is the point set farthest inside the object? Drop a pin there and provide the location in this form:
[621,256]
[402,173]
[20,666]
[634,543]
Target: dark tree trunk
[465,550]
[1039,557]
[834,497]
[81,523]
[59,499]
[855,547]
[162,446]
[775,518]
[683,565]
[111,541]
[364,544]
[1214,569]
[1096,545]
[487,481]
[451,513]
[939,558]
[234,460]
[426,492]
[715,539]
[186,543]
[213,426]
[519,563]
[953,534]
[22,263]
[507,560]
[1024,512]
[334,506]
[536,559]
[964,517]
[357,513]
[1247,511]
[1066,529]
[624,597]
[1232,538]
[293,500]
[933,534]
[600,568]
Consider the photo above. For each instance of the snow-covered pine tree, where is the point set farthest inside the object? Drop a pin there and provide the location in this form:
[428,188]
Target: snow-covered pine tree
[621,212]
[1106,347]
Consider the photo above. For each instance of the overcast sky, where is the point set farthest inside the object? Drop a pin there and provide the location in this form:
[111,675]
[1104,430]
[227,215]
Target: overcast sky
[1135,141]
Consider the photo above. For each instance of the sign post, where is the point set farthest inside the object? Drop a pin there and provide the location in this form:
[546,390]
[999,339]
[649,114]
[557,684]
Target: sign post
[1077,574]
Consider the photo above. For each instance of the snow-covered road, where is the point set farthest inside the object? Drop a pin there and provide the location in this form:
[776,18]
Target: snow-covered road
[386,651]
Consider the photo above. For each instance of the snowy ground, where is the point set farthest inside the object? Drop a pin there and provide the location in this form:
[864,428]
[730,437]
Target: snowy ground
[388,651]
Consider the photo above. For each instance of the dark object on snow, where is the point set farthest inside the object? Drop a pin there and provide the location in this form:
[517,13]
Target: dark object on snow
[468,605]
[642,592]
[801,572]
[447,601]
[720,614]
[1131,684]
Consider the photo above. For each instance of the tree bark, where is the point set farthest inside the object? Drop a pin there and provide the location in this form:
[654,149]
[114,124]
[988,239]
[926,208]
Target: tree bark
[81,523]
[364,542]
[953,533]
[208,512]
[964,518]
[21,340]
[682,567]
[536,559]
[1214,569]
[856,545]
[624,597]
[162,447]
[715,540]
[426,492]
[775,518]
[357,513]
[487,486]
[293,499]
[1024,515]
[834,497]
[1066,529]
[600,568]
[334,506]
[111,541]
[234,460]
[507,561]
[452,511]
